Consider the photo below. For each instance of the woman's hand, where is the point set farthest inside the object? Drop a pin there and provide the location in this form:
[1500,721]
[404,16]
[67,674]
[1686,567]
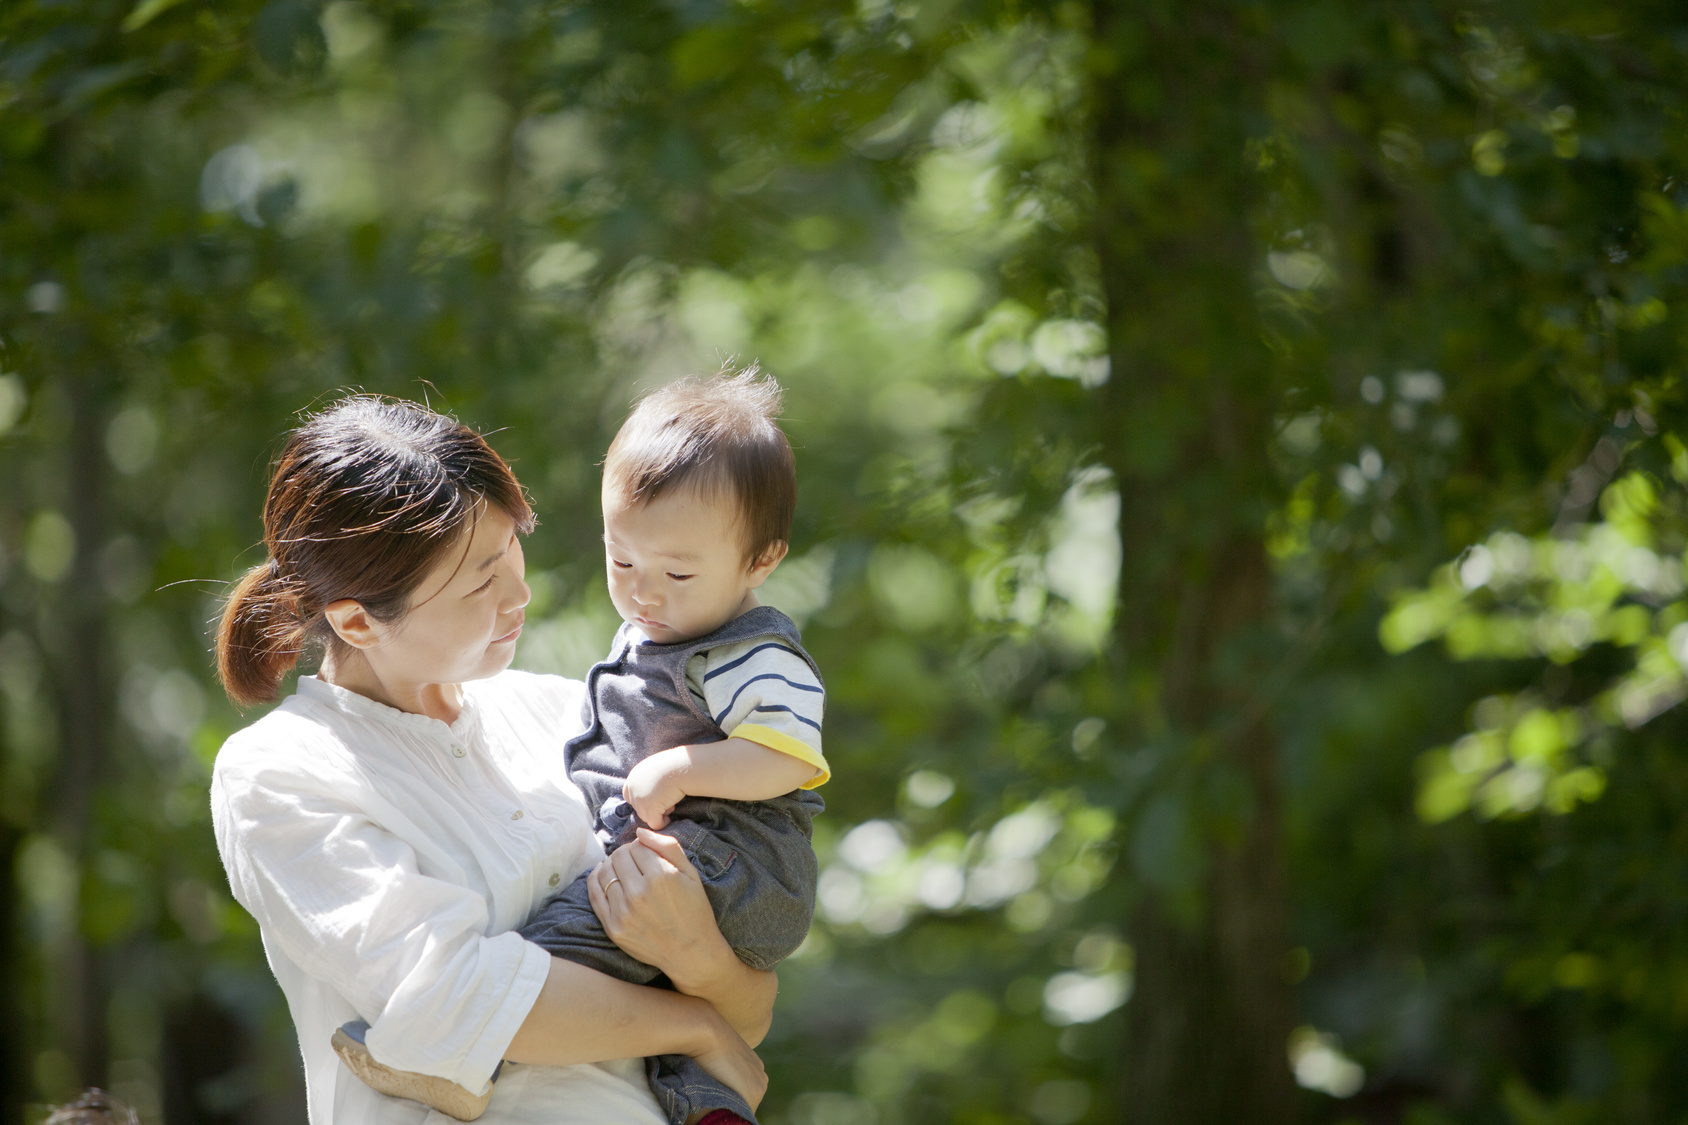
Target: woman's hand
[730,1061]
[652,904]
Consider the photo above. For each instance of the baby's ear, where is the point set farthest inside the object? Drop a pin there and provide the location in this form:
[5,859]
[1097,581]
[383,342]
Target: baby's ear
[770,558]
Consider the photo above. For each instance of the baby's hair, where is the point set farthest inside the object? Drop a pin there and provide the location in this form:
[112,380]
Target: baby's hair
[718,436]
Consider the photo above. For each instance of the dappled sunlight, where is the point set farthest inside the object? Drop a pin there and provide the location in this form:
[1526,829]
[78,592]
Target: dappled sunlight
[1033,863]
[1319,1064]
[1084,997]
[1241,522]
[1554,597]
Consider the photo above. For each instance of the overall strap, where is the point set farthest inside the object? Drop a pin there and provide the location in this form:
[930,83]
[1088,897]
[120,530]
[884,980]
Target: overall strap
[763,621]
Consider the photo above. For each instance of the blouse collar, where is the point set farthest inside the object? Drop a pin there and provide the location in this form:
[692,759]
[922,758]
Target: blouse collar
[319,690]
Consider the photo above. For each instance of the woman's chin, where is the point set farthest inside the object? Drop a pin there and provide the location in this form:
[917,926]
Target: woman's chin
[496,660]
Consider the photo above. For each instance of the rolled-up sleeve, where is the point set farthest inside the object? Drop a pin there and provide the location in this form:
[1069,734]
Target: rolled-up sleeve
[344,899]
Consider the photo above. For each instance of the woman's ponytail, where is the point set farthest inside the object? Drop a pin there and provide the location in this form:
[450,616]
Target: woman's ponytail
[365,499]
[261,636]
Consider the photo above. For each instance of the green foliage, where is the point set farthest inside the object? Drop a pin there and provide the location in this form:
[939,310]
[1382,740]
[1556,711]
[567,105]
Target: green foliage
[1463,330]
[1555,597]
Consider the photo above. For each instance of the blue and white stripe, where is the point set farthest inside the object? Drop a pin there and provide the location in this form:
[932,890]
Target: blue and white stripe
[761,681]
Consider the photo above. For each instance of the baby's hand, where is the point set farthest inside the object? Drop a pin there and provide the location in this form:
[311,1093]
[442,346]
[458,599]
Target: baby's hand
[653,787]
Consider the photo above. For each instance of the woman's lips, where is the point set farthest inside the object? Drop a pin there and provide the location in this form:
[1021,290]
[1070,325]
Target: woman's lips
[510,636]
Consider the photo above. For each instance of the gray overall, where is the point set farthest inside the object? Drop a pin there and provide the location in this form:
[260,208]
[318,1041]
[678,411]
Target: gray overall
[754,856]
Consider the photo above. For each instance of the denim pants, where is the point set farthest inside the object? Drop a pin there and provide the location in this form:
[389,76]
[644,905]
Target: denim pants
[759,872]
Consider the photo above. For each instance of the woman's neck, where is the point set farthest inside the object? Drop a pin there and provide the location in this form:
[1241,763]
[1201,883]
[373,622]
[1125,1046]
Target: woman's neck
[354,672]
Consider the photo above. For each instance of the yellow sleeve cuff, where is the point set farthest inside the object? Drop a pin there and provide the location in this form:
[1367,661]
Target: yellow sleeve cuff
[785,744]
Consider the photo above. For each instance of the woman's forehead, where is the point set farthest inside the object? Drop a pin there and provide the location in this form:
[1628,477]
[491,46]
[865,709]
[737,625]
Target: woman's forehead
[488,538]
[476,549]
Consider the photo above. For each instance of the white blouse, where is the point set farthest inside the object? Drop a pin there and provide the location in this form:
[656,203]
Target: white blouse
[387,857]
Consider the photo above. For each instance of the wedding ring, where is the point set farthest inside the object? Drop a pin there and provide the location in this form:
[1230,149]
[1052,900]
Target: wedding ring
[613,881]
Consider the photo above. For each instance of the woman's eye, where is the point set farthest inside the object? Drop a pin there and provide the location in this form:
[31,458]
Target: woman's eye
[484,586]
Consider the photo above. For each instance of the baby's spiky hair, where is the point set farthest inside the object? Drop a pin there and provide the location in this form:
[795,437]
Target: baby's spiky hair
[719,436]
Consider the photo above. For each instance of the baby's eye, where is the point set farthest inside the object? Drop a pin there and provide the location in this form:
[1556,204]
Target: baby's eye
[681,577]
[622,565]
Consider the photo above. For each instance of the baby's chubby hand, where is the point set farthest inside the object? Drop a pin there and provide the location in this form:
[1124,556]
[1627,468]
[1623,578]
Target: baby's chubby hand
[653,787]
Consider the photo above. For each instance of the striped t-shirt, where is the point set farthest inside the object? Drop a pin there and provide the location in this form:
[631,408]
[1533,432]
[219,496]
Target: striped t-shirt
[761,690]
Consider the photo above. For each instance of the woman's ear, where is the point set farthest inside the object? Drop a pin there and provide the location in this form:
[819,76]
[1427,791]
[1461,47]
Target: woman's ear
[353,624]
[764,566]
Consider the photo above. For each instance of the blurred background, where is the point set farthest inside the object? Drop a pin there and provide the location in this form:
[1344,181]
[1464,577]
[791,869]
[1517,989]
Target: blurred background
[1242,509]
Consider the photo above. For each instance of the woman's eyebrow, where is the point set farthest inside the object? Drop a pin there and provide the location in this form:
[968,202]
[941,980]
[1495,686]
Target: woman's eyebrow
[495,557]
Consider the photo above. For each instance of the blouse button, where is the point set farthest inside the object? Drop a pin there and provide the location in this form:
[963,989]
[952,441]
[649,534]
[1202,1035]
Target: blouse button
[517,815]
[458,751]
[555,878]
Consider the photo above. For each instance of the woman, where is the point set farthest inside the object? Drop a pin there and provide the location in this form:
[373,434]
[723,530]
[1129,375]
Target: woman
[395,818]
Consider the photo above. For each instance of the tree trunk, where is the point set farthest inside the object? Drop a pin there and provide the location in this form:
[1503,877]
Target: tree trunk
[82,683]
[1175,92]
[14,1072]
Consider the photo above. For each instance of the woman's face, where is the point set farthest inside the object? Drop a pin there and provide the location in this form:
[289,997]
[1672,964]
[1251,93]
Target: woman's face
[465,616]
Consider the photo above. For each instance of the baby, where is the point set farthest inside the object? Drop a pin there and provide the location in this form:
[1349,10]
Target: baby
[705,718]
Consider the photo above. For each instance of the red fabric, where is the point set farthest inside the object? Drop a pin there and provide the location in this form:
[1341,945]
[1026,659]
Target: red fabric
[722,1117]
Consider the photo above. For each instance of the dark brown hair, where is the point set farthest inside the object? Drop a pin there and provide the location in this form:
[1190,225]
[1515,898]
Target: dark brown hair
[718,436]
[366,498]
[94,1107]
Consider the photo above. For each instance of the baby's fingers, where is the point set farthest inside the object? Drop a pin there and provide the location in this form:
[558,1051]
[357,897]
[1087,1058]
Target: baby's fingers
[650,812]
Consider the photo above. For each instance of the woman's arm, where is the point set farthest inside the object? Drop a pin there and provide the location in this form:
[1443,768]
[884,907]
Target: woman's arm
[344,897]
[657,911]
[583,1016]
[652,903]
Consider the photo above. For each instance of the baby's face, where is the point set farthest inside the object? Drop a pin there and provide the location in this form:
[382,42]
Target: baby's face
[676,565]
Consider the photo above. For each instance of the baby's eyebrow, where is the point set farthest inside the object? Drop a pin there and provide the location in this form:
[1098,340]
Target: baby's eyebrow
[677,556]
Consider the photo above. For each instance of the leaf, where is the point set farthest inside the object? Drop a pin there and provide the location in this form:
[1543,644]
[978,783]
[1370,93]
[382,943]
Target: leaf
[146,11]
